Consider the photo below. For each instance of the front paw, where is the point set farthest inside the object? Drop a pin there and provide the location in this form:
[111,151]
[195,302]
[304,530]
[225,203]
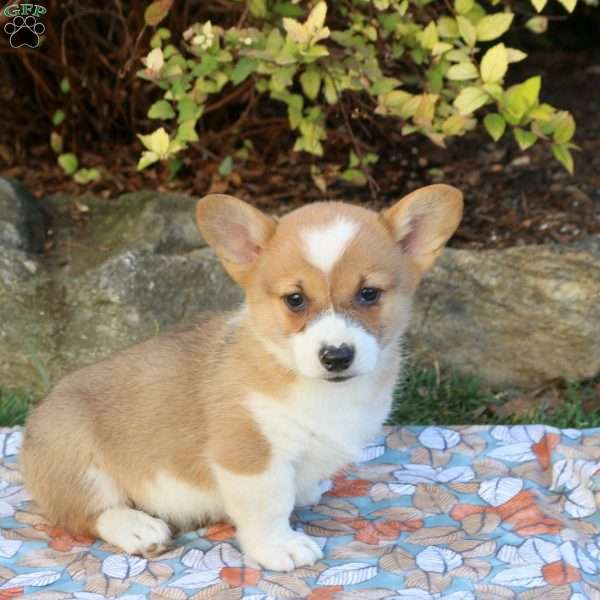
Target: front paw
[284,553]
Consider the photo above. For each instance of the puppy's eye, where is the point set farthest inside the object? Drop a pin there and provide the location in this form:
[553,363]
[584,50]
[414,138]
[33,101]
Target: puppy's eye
[368,295]
[295,302]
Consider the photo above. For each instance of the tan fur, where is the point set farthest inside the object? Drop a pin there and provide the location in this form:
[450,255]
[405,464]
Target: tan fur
[176,403]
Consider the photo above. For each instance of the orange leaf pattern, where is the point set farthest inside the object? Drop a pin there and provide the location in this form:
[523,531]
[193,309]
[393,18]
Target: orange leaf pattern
[456,513]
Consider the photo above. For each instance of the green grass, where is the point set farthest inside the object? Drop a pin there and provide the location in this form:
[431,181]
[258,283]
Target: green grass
[14,406]
[429,396]
[432,396]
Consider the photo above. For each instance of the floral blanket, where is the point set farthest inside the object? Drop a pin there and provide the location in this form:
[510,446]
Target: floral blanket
[429,513]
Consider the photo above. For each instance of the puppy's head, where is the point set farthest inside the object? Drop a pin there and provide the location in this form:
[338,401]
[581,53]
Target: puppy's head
[329,286]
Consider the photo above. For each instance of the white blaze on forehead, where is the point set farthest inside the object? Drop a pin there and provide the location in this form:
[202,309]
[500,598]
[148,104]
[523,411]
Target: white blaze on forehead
[325,244]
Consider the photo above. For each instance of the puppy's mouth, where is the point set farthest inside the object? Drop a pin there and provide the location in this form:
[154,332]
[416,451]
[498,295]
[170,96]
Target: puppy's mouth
[339,378]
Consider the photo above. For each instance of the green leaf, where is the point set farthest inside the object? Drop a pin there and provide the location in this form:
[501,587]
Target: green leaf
[470,99]
[258,8]
[494,64]
[539,4]
[244,67]
[524,138]
[564,128]
[287,9]
[569,4]
[157,11]
[65,86]
[467,31]
[84,176]
[148,157]
[226,166]
[330,89]
[462,7]
[186,132]
[56,142]
[175,165]
[562,154]
[383,86]
[355,176]
[493,26]
[58,117]
[310,81]
[161,110]
[495,125]
[537,24]
[68,163]
[462,71]
[188,110]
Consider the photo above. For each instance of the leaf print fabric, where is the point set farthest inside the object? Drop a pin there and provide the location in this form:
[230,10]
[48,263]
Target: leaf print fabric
[430,513]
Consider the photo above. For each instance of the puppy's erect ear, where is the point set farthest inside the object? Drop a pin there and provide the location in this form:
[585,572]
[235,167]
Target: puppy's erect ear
[236,231]
[423,221]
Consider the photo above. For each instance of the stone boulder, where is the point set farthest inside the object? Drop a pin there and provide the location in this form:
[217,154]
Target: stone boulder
[519,316]
[25,320]
[134,266]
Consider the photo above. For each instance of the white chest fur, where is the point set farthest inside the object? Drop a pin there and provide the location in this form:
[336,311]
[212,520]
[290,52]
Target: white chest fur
[322,426]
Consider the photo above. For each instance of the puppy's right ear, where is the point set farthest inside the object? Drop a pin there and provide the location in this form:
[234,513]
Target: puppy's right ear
[236,231]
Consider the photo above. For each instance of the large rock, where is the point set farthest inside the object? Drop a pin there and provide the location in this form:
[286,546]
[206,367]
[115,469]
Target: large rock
[22,222]
[520,316]
[131,269]
[137,265]
[25,322]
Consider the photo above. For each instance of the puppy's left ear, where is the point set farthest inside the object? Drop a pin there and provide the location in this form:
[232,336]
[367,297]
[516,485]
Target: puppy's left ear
[422,222]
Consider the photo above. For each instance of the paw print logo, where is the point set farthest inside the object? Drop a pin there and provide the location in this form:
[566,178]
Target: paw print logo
[24,31]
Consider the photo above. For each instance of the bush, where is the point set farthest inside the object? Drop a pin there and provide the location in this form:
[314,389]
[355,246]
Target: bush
[433,68]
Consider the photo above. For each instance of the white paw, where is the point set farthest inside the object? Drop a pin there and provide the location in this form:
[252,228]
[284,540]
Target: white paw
[308,497]
[133,531]
[285,554]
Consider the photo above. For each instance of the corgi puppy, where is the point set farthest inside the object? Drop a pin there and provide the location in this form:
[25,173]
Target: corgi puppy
[242,415]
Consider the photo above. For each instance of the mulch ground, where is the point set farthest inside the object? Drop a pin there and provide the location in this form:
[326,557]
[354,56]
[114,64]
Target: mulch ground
[512,198]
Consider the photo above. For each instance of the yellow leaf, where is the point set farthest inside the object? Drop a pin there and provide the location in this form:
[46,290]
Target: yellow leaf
[429,37]
[440,48]
[539,4]
[462,71]
[426,109]
[569,4]
[157,142]
[493,26]
[295,30]
[316,19]
[494,64]
[462,7]
[154,61]
[454,124]
[537,24]
[515,55]
[470,99]
[467,30]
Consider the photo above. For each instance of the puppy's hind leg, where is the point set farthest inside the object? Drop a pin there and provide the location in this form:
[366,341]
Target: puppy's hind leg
[133,531]
[117,523]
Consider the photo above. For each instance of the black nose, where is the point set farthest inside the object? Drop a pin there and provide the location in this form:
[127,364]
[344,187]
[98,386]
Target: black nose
[336,358]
